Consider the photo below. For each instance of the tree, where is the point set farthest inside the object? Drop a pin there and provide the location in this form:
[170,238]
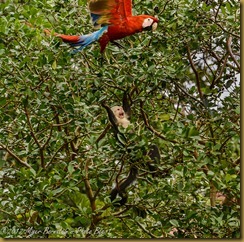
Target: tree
[184,86]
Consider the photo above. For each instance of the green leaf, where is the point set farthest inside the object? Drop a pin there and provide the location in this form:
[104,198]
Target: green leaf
[165,116]
[54,65]
[33,171]
[174,222]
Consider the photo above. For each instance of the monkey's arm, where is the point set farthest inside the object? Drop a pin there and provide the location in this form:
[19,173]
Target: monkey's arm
[119,136]
[111,116]
[126,105]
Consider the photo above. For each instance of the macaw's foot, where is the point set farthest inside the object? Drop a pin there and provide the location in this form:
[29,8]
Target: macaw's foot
[118,45]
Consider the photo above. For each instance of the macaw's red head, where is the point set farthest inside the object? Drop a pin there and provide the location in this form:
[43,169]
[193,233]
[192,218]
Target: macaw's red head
[149,22]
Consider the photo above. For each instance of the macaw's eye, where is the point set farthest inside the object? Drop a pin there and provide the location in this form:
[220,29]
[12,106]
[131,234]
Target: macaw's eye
[147,24]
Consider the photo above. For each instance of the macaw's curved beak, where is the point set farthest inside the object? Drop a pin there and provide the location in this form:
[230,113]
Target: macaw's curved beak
[151,27]
[154,26]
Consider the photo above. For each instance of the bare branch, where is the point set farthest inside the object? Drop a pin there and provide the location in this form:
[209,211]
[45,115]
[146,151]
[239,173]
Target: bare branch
[54,155]
[220,60]
[34,136]
[224,30]
[229,40]
[95,217]
[146,231]
[63,124]
[102,135]
[198,81]
[220,73]
[186,93]
[146,122]
[18,159]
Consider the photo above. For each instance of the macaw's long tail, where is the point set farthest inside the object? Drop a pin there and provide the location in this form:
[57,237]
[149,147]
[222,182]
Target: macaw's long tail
[82,40]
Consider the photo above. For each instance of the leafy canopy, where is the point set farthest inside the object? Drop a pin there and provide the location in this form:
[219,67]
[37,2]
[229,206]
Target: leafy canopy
[184,86]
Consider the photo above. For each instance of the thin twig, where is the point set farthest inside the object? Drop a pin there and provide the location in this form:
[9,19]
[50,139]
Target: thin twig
[34,136]
[186,93]
[146,231]
[101,136]
[95,217]
[177,109]
[229,40]
[48,139]
[146,122]
[63,124]
[217,12]
[226,31]
[220,73]
[220,59]
[224,143]
[198,81]
[54,155]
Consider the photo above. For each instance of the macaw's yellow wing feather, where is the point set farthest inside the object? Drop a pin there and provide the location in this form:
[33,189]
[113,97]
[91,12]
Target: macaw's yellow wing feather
[105,12]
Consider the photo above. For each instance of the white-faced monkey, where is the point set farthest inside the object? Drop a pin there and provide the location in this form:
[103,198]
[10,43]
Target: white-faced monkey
[119,116]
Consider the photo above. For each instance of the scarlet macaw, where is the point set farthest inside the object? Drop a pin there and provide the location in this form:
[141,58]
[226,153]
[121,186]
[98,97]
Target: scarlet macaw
[115,19]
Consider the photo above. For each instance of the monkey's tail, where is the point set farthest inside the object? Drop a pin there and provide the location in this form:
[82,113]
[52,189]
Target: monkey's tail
[121,187]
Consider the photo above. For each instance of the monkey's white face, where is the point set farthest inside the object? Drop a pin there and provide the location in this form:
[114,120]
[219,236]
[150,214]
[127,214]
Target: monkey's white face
[118,112]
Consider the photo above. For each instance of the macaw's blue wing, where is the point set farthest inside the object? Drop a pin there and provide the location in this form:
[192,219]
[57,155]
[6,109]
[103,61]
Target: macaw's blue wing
[82,40]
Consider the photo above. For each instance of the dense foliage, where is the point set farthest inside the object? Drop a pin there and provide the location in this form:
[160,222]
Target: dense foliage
[184,86]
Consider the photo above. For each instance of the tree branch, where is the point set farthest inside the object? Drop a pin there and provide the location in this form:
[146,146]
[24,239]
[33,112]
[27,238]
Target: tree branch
[95,217]
[54,155]
[198,81]
[48,139]
[220,60]
[89,191]
[102,135]
[146,122]
[229,40]
[34,136]
[228,32]
[146,231]
[220,73]
[63,124]
[15,156]
[187,94]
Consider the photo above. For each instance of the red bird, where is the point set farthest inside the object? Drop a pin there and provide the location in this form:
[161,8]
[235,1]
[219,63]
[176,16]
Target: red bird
[115,20]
